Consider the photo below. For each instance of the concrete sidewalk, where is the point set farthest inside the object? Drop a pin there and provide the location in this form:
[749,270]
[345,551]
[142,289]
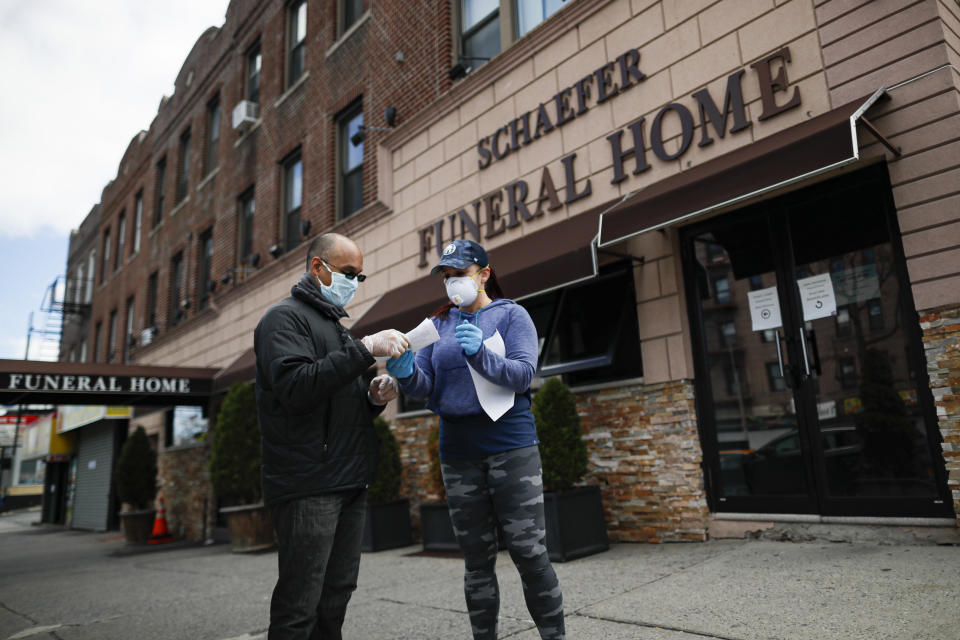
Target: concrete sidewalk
[72,585]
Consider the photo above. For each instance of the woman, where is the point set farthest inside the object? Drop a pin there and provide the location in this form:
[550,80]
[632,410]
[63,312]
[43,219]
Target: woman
[491,468]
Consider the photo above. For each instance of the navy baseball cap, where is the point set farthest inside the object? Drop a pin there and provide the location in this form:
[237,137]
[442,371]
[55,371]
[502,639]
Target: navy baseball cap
[460,254]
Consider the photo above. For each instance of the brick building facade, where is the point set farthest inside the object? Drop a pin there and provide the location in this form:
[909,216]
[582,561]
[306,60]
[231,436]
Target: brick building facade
[611,146]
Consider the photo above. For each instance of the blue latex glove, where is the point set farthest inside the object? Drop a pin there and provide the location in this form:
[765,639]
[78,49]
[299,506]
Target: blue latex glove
[401,366]
[470,337]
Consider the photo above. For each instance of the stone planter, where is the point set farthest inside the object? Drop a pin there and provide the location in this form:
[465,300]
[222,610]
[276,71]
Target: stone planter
[137,525]
[250,527]
[435,527]
[575,524]
[387,526]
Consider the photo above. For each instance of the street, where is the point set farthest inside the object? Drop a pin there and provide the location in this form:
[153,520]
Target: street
[72,585]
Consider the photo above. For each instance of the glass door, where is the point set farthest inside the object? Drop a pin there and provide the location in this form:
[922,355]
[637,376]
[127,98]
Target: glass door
[811,389]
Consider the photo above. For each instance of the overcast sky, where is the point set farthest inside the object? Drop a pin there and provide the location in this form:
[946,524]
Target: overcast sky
[83,77]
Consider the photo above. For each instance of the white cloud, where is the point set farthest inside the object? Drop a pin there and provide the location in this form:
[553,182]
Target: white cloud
[84,77]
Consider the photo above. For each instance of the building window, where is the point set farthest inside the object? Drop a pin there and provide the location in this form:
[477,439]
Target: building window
[721,290]
[774,379]
[589,332]
[112,337]
[351,162]
[728,333]
[81,285]
[137,220]
[213,135]
[530,13]
[847,372]
[254,62]
[245,229]
[206,262]
[296,39]
[174,314]
[152,294]
[292,200]
[128,340]
[183,166]
[842,322]
[158,200]
[350,11]
[479,31]
[875,314]
[91,270]
[106,256]
[121,240]
[185,425]
[96,342]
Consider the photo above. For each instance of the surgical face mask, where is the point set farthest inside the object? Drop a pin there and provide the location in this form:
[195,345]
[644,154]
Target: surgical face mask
[462,291]
[341,289]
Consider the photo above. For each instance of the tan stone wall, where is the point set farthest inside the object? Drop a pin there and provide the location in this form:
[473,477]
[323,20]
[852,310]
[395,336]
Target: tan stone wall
[868,45]
[941,342]
[644,454]
[184,483]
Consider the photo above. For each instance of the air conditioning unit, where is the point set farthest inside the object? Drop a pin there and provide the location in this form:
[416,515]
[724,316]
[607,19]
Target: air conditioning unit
[147,335]
[245,114]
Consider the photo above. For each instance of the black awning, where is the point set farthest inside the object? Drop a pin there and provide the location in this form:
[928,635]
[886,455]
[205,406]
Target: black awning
[560,254]
[38,382]
[242,369]
[824,143]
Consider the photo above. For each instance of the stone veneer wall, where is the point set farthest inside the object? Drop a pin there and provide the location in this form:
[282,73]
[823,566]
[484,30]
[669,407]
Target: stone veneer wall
[941,343]
[644,453]
[184,483]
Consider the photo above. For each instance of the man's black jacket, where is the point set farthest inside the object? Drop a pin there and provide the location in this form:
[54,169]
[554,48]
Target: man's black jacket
[316,422]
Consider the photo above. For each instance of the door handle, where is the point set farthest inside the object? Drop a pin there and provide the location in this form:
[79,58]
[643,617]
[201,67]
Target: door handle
[785,372]
[803,346]
[815,352]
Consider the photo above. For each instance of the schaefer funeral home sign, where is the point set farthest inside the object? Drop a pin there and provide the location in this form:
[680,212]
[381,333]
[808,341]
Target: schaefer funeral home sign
[32,382]
[507,207]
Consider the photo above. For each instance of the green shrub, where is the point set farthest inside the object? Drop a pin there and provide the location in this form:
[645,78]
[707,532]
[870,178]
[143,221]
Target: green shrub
[562,449]
[136,472]
[235,449]
[386,482]
[433,455]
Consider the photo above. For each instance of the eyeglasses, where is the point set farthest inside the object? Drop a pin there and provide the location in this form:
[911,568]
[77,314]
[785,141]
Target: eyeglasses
[349,275]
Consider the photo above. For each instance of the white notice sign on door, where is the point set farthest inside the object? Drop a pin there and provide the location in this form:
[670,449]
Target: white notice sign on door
[764,309]
[817,298]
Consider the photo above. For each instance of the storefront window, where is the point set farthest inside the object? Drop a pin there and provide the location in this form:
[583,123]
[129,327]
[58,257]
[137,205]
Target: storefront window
[186,425]
[31,472]
[588,333]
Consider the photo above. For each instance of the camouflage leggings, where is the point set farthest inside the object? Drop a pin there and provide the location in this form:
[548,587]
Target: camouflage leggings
[505,488]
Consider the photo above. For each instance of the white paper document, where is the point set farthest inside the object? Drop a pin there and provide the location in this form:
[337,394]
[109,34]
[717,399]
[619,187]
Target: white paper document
[764,309]
[816,296]
[421,336]
[495,400]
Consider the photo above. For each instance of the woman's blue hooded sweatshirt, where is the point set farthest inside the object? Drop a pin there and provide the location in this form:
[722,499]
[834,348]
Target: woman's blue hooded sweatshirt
[441,376]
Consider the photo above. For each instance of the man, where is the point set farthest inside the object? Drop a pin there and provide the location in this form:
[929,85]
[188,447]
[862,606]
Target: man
[319,446]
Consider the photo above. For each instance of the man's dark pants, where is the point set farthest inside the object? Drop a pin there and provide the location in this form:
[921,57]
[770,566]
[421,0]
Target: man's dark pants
[319,556]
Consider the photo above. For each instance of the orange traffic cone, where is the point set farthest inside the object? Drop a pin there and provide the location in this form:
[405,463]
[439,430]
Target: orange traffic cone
[160,531]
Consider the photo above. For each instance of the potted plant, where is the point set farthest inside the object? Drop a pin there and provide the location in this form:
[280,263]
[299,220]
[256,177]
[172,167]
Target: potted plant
[574,515]
[235,470]
[435,527]
[387,523]
[136,481]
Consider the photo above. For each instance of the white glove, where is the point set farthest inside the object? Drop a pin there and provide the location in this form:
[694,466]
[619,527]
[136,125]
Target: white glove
[388,343]
[383,389]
